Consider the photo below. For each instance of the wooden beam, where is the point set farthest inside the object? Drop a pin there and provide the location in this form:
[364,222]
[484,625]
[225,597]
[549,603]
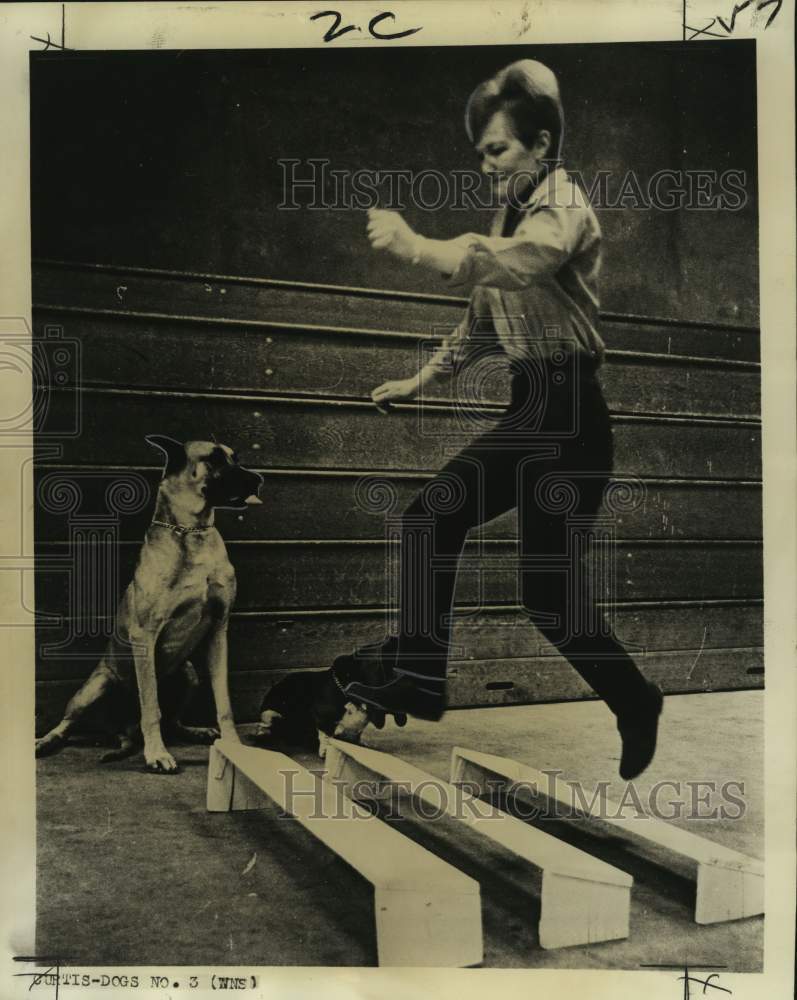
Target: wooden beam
[730,885]
[427,913]
[583,899]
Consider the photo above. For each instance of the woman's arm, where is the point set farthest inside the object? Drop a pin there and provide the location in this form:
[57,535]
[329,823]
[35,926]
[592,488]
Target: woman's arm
[542,243]
[397,390]
[444,360]
[445,256]
[387,230]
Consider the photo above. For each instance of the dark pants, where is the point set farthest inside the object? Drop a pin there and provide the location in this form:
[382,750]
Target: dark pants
[550,455]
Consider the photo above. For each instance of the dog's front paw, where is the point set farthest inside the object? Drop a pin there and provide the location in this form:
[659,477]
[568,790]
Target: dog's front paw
[160,761]
[264,734]
[323,745]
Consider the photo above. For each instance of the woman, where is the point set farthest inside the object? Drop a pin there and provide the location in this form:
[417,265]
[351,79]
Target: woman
[534,287]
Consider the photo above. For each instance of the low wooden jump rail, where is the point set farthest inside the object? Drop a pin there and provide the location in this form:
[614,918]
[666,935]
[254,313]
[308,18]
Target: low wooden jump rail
[730,885]
[583,899]
[427,913]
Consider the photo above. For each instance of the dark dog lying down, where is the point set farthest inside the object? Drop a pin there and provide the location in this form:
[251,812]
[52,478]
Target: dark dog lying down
[304,709]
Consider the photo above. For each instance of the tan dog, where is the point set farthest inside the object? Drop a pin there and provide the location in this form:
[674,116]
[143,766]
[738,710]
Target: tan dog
[181,594]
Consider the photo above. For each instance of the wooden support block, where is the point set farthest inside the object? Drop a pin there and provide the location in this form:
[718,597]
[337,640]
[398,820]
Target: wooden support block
[583,899]
[427,913]
[730,885]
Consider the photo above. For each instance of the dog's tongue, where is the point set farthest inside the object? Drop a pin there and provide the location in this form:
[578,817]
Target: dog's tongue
[252,499]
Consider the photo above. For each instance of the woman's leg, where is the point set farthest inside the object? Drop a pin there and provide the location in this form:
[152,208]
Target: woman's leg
[563,564]
[476,486]
[564,567]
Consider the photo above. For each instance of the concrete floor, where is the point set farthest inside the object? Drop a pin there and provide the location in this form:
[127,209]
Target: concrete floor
[133,870]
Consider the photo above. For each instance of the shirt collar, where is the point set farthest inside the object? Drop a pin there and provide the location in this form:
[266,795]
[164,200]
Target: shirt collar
[543,187]
[547,183]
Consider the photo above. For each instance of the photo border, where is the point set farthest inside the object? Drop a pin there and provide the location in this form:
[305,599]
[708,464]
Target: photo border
[27,27]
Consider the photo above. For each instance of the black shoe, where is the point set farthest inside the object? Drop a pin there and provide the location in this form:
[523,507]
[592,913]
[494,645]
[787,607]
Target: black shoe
[350,665]
[374,662]
[383,651]
[400,697]
[638,730]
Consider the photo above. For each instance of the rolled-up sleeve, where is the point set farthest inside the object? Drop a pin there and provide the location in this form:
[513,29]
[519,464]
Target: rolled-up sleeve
[474,333]
[543,241]
[452,352]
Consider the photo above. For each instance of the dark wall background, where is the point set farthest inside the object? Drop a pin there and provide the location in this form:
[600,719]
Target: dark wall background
[169,159]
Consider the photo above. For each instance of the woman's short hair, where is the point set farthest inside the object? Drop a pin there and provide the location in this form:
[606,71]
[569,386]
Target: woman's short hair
[528,93]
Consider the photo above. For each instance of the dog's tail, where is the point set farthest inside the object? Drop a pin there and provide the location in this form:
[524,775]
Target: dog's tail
[126,748]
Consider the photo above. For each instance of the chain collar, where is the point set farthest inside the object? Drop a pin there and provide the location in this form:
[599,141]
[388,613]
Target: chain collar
[342,690]
[338,684]
[181,529]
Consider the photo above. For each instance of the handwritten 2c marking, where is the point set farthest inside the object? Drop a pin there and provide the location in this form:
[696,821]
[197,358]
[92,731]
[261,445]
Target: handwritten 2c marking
[335,30]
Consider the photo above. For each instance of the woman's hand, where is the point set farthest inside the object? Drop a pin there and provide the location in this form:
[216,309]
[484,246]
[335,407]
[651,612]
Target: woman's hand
[392,392]
[387,230]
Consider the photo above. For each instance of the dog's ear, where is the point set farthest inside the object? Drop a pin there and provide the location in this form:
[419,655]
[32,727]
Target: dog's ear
[176,457]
